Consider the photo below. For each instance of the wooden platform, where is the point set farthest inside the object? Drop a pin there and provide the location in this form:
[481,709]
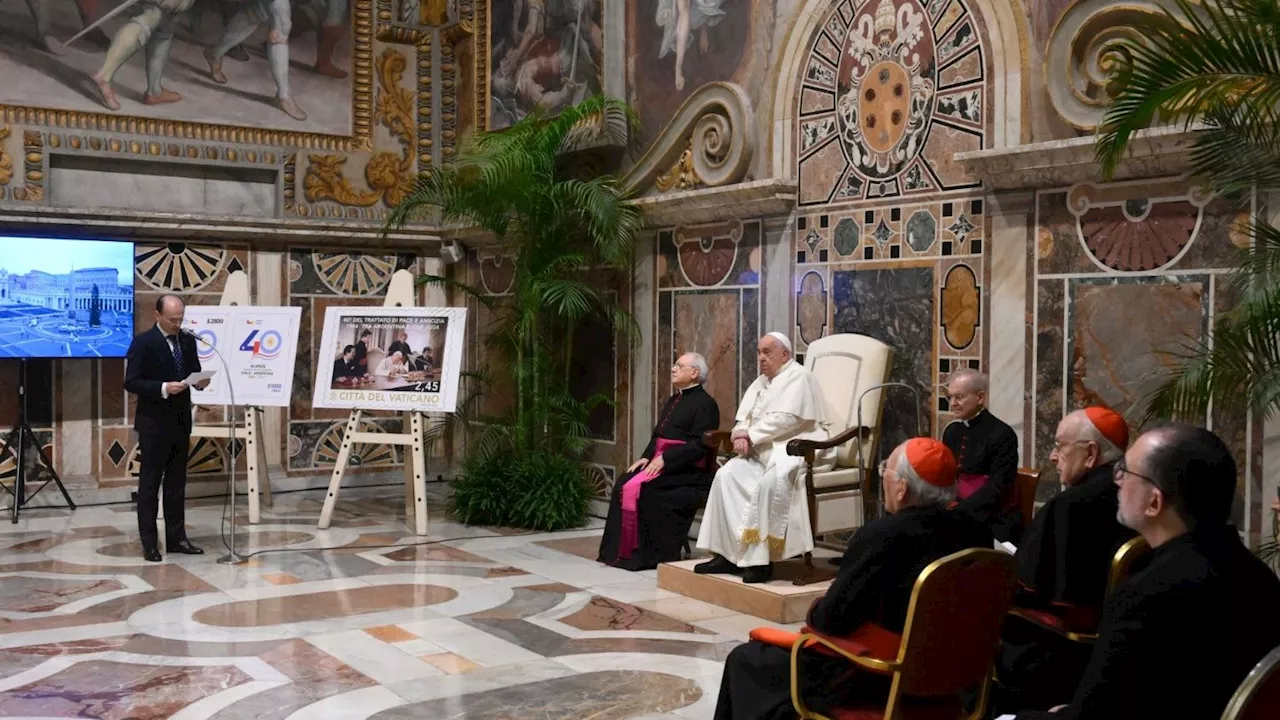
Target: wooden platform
[779,600]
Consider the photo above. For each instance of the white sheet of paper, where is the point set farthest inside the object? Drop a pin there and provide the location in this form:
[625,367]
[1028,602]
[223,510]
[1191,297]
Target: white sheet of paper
[196,377]
[1006,717]
[1007,547]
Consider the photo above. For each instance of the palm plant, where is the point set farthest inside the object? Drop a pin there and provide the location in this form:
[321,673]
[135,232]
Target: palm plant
[514,185]
[1215,66]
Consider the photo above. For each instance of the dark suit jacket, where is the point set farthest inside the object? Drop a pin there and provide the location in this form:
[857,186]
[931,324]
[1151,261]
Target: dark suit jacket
[1180,635]
[149,365]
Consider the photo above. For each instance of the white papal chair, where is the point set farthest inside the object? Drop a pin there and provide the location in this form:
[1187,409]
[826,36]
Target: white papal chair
[847,367]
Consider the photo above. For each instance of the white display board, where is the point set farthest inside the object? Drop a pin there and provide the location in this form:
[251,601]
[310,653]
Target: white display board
[260,346]
[426,381]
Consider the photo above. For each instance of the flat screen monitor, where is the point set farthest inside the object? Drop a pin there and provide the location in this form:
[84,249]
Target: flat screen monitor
[65,297]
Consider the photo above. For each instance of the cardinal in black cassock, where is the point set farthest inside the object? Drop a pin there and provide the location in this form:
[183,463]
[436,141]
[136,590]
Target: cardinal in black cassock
[1064,561]
[1182,633]
[868,598]
[653,505]
[986,449]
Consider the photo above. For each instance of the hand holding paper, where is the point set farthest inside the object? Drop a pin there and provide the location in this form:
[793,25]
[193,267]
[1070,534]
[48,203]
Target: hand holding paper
[200,380]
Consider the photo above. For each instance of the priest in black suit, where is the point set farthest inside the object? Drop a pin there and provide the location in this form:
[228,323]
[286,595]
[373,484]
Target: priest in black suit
[653,504]
[158,361]
[1064,562]
[987,450]
[1181,634]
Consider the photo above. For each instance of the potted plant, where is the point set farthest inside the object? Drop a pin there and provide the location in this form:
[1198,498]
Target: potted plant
[525,468]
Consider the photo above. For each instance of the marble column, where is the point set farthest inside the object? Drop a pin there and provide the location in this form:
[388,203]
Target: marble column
[1012,216]
[268,289]
[778,294]
[644,308]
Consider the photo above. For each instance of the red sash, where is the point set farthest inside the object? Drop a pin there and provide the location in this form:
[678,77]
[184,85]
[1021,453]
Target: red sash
[630,537]
[968,484]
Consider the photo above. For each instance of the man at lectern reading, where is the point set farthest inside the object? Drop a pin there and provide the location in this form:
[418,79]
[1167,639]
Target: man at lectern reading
[654,503]
[158,362]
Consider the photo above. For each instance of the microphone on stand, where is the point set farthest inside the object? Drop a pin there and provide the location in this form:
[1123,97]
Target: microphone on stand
[232,557]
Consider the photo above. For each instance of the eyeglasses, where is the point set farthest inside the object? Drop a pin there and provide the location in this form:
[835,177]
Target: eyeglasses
[883,467]
[1120,469]
[1060,446]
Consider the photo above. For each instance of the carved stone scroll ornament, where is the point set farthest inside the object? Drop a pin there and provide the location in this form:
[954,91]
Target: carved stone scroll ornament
[1088,42]
[708,143]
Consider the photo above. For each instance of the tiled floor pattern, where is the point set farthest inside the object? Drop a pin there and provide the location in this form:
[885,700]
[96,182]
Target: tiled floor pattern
[486,623]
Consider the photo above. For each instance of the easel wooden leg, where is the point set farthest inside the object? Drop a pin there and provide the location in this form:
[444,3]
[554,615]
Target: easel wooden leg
[339,468]
[419,474]
[251,445]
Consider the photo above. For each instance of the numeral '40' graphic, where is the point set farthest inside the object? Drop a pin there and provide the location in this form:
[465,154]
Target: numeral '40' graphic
[265,345]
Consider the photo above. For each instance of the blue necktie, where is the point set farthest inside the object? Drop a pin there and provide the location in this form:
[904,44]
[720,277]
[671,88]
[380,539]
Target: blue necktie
[177,355]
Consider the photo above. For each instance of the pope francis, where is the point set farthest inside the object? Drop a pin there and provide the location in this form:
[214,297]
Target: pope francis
[756,512]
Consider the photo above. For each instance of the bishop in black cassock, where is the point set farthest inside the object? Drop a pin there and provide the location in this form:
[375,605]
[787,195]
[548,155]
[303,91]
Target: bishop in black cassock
[874,585]
[986,449]
[1180,636]
[641,532]
[1064,561]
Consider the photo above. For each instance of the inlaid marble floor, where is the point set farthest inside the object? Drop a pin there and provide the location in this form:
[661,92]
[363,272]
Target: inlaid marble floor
[484,624]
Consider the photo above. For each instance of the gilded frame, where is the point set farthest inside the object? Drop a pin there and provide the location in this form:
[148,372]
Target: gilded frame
[361,139]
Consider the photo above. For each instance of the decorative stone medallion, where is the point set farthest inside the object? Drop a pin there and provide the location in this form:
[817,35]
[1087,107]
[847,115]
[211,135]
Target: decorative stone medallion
[905,83]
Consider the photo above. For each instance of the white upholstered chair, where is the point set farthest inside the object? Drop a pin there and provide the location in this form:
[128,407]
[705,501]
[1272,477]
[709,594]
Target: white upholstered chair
[846,366]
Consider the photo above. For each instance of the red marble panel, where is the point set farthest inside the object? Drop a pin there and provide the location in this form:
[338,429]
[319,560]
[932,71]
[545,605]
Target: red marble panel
[699,326]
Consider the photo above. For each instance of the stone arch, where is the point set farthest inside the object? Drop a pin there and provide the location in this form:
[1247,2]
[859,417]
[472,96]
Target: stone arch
[1006,36]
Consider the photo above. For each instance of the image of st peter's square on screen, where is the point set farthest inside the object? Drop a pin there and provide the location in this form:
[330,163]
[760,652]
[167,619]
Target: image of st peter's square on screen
[65,298]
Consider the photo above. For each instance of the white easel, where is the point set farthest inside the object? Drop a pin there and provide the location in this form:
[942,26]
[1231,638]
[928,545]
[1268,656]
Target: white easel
[399,294]
[236,293]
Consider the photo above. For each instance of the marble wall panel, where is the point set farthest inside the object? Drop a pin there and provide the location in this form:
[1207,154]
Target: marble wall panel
[941,238]
[707,274]
[1047,399]
[897,306]
[1121,273]
[699,326]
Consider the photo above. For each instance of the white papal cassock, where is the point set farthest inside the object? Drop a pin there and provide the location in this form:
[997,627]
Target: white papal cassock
[757,512]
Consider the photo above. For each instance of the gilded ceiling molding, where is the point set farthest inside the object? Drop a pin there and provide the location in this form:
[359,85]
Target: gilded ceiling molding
[1087,43]
[426,130]
[32,168]
[6,162]
[388,175]
[716,127]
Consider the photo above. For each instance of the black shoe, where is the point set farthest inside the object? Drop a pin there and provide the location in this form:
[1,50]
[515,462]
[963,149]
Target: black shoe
[185,547]
[151,555]
[717,566]
[758,574]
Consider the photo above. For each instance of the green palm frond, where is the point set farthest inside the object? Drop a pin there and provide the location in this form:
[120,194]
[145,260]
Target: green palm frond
[449,283]
[1257,272]
[1215,63]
